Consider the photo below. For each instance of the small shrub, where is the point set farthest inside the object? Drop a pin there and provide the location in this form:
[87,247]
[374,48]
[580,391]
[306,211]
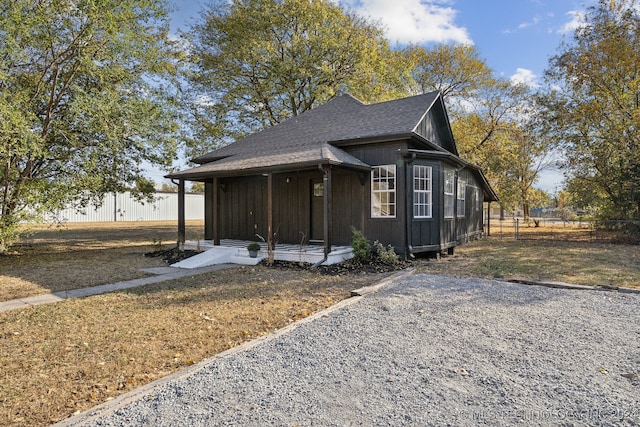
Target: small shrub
[360,245]
[253,247]
[386,255]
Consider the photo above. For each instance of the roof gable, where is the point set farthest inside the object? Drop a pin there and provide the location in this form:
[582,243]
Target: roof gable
[343,118]
[435,127]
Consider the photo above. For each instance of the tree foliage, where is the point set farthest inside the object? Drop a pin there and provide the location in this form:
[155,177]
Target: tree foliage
[259,62]
[457,71]
[593,106]
[82,102]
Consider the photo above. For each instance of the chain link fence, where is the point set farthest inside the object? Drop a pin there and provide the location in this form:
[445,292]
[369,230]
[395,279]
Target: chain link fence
[596,231]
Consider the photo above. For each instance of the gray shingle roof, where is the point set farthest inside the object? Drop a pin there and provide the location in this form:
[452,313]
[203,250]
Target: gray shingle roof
[306,138]
[257,161]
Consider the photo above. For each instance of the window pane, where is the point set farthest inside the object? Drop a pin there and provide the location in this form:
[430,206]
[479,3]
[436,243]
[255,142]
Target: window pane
[462,188]
[449,180]
[421,191]
[383,195]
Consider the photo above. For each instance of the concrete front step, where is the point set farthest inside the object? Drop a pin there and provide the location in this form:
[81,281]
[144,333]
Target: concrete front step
[311,254]
[219,255]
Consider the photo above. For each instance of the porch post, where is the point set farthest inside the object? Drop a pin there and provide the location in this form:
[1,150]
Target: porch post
[489,219]
[181,220]
[270,210]
[214,216]
[327,209]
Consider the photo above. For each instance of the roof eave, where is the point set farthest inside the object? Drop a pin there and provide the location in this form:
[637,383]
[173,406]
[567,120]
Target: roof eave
[198,176]
[203,160]
[446,155]
[372,139]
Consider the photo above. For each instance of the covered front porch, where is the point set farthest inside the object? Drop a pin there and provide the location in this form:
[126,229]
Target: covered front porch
[304,212]
[235,252]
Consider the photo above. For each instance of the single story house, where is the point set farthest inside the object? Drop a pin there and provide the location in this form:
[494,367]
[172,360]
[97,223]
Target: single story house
[390,170]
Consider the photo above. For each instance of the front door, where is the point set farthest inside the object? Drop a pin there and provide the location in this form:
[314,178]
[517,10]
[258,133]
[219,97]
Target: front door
[317,210]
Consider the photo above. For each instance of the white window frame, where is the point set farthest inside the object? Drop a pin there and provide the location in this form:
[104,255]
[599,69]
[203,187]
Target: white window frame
[461,201]
[422,191]
[449,193]
[383,191]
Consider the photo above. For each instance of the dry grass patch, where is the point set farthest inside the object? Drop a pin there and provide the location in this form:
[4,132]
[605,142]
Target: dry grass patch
[571,262]
[53,259]
[66,357]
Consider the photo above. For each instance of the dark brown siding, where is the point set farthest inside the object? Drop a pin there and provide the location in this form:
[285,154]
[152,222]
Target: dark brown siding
[435,128]
[291,201]
[461,229]
[208,210]
[425,232]
[428,129]
[471,224]
[349,198]
[243,208]
[388,231]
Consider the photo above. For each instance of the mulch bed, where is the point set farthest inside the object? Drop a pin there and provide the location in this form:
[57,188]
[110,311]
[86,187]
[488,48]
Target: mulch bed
[349,266]
[174,254]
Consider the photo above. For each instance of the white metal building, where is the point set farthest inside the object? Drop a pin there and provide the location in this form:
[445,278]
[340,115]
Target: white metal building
[123,207]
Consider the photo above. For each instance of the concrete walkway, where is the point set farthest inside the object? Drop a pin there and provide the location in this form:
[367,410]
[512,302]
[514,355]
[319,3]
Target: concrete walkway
[162,274]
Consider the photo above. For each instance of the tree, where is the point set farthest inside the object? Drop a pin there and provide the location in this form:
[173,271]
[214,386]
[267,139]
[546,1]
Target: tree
[593,107]
[197,187]
[489,114]
[455,70]
[83,102]
[540,199]
[168,188]
[259,62]
[526,157]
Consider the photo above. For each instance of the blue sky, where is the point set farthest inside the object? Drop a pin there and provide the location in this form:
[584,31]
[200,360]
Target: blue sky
[515,37]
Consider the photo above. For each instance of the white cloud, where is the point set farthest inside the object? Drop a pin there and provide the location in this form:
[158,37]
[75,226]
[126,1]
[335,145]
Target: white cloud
[413,21]
[577,21]
[534,21]
[526,77]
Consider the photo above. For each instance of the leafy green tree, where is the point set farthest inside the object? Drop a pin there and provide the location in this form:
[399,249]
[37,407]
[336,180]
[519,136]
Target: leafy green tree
[83,102]
[593,107]
[259,62]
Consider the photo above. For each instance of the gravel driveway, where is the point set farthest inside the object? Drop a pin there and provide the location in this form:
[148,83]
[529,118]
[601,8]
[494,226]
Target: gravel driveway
[425,350]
